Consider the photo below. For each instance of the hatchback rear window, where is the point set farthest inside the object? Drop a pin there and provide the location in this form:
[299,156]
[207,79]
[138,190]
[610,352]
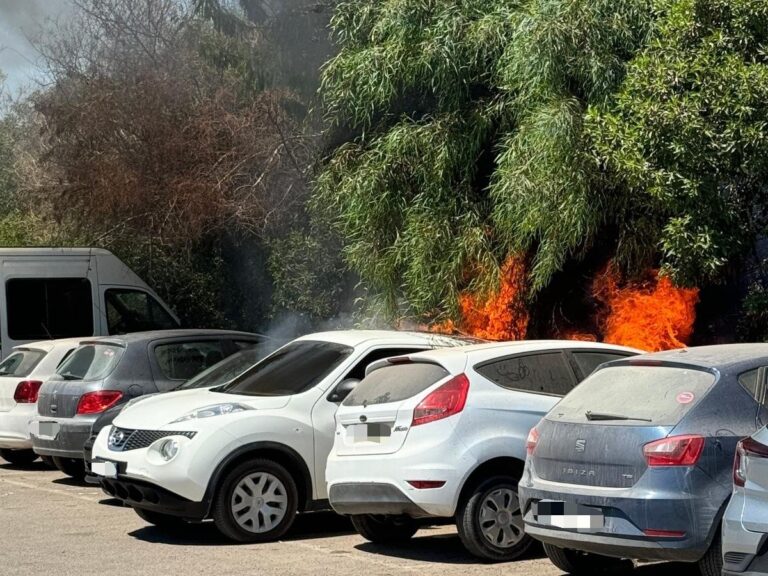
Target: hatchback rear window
[90,362]
[636,395]
[21,363]
[395,383]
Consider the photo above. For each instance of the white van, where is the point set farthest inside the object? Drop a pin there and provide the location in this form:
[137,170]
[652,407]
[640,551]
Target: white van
[52,293]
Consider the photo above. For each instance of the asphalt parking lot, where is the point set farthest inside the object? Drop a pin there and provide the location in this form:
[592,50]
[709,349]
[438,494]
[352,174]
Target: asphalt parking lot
[50,524]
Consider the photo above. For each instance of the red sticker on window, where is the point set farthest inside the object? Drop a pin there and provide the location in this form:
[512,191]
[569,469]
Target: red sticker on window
[685,397]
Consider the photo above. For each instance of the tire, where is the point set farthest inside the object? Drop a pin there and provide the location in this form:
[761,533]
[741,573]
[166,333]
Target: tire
[48,461]
[581,563]
[490,522]
[712,562]
[72,467]
[18,457]
[255,483]
[382,529]
[159,519]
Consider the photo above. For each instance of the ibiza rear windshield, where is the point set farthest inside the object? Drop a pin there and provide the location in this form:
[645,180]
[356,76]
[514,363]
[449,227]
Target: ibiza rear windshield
[635,395]
[395,383]
[90,362]
[294,368]
[21,363]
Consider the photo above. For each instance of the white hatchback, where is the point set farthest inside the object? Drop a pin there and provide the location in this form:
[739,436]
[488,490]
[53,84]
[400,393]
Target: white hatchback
[21,375]
[442,434]
[251,453]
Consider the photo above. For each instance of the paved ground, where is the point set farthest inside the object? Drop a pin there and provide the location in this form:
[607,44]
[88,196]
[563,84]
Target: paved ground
[51,525]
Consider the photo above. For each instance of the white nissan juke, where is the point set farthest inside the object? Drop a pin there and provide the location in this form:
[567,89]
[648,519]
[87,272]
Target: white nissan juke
[442,434]
[249,454]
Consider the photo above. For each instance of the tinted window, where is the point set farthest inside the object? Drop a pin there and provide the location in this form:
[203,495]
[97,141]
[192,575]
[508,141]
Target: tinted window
[225,371]
[293,369]
[589,361]
[21,363]
[748,380]
[40,309]
[649,395]
[395,383]
[90,362]
[135,311]
[543,373]
[183,360]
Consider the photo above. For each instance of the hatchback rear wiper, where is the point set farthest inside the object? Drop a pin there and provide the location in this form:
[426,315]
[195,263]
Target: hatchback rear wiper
[597,416]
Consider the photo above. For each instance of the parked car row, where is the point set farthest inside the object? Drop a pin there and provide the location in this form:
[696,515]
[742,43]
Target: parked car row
[604,454]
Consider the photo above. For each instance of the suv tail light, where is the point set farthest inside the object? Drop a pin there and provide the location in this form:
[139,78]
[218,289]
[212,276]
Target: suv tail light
[674,451]
[533,440]
[747,447]
[445,401]
[27,392]
[95,402]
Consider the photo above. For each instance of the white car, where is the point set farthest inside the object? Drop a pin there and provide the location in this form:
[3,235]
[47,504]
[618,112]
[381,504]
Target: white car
[442,434]
[251,453]
[745,524]
[21,375]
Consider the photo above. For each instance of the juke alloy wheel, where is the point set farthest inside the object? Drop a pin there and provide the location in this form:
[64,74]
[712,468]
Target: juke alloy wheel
[490,522]
[257,502]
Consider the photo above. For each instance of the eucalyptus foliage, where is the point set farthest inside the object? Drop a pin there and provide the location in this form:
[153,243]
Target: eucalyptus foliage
[468,137]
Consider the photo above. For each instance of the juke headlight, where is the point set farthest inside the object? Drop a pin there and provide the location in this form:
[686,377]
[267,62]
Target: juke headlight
[214,410]
[169,448]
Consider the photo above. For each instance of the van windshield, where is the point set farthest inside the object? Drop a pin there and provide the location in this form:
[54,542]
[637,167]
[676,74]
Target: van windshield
[90,362]
[294,368]
[639,395]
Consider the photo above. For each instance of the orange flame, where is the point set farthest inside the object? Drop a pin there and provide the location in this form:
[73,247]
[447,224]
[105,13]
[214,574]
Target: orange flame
[651,315]
[503,316]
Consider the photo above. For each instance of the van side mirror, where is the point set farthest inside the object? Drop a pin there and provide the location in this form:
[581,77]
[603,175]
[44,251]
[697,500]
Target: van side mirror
[762,384]
[343,390]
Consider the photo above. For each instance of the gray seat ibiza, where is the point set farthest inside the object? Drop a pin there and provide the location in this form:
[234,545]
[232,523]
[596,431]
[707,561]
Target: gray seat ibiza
[103,372]
[636,462]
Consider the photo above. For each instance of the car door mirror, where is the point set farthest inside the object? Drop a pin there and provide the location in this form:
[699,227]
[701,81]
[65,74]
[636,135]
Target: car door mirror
[342,390]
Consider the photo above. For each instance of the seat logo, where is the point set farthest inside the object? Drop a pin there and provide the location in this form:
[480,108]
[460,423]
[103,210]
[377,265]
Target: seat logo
[581,445]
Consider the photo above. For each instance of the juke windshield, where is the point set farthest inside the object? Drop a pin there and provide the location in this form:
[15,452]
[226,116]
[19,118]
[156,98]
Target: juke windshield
[294,368]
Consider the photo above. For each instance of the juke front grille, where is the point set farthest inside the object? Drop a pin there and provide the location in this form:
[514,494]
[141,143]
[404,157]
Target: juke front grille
[123,440]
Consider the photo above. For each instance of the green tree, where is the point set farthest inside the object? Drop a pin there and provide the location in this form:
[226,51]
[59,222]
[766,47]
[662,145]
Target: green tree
[685,136]
[468,140]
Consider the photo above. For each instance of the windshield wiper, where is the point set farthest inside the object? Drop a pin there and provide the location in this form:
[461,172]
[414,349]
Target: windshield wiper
[597,417]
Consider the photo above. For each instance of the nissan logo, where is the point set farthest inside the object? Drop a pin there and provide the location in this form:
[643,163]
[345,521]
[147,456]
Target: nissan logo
[116,438]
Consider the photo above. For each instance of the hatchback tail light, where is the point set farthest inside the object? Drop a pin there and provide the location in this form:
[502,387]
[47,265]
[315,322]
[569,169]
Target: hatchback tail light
[445,401]
[674,451]
[27,392]
[747,447]
[95,402]
[533,440]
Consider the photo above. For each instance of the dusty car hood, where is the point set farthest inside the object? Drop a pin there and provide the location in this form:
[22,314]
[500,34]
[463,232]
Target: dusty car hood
[159,411]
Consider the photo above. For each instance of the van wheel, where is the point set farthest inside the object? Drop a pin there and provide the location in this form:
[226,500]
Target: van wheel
[159,519]
[382,529]
[18,457]
[72,467]
[712,562]
[256,502]
[578,563]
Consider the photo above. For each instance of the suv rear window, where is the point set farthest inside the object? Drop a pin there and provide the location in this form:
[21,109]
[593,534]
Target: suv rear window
[395,383]
[21,363]
[636,395]
[293,369]
[90,362]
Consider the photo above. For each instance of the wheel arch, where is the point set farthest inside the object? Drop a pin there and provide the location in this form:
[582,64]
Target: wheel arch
[280,453]
[500,465]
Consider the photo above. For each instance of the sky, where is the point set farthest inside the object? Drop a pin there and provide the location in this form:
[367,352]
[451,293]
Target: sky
[20,21]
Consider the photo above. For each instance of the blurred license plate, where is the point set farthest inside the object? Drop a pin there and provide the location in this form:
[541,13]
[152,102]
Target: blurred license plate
[106,469]
[372,432]
[568,516]
[48,430]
